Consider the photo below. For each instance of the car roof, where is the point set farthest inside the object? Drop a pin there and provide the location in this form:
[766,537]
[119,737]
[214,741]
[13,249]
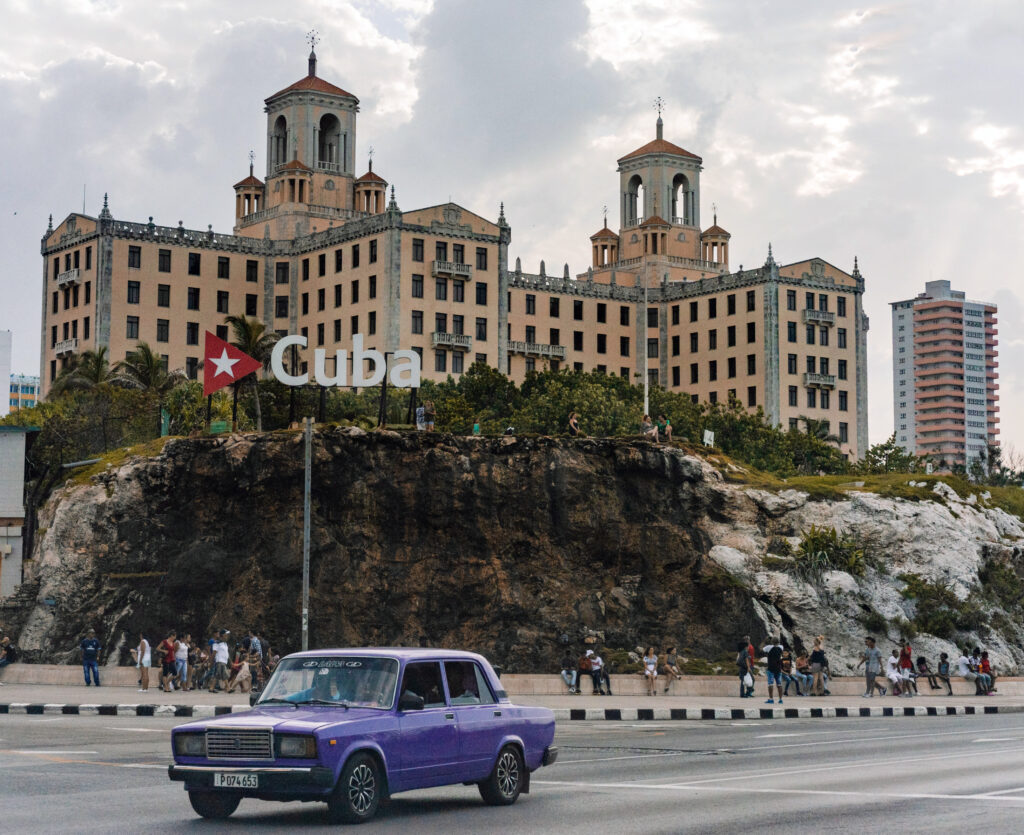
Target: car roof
[402,653]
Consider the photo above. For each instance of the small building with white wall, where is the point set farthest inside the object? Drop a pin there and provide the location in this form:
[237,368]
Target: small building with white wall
[13,442]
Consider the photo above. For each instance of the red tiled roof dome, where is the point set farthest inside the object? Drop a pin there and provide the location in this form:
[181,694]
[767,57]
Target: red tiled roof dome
[660,146]
[249,181]
[371,177]
[604,233]
[716,230]
[294,165]
[314,84]
[654,220]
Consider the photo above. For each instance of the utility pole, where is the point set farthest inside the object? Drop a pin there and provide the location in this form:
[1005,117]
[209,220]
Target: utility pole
[305,536]
[643,347]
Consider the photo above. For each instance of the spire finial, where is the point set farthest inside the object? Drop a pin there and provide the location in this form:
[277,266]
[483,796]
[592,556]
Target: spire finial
[604,210]
[501,212]
[49,226]
[856,267]
[312,38]
[770,262]
[714,214]
[659,105]
[105,207]
[252,160]
[369,153]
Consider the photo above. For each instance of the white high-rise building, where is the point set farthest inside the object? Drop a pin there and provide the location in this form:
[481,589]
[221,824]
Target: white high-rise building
[5,367]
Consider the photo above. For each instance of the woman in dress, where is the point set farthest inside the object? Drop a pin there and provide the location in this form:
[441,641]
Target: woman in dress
[817,666]
[651,671]
[142,656]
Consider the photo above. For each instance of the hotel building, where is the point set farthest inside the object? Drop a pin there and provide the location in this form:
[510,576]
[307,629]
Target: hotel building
[24,392]
[945,378]
[319,251]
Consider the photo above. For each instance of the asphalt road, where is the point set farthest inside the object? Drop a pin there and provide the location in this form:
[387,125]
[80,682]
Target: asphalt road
[108,774]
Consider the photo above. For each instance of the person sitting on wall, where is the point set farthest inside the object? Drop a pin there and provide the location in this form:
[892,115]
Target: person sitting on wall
[648,429]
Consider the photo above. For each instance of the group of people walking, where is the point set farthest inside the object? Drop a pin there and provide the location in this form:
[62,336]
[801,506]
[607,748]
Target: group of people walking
[807,672]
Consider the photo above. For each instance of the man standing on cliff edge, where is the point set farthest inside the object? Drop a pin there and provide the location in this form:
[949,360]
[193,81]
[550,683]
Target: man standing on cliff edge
[90,657]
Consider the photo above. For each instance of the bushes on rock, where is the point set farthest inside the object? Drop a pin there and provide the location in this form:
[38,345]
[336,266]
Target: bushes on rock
[824,549]
[939,611]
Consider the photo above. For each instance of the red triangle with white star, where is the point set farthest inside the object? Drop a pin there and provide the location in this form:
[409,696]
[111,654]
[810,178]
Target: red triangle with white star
[224,364]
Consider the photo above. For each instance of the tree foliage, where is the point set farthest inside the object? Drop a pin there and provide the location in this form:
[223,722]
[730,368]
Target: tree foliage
[889,457]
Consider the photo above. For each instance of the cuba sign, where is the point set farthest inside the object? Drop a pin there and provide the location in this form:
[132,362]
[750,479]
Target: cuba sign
[224,364]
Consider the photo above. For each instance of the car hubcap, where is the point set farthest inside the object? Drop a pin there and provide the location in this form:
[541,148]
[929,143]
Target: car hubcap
[508,773]
[361,788]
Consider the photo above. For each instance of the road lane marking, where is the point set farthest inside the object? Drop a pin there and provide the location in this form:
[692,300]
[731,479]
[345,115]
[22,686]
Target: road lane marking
[871,795]
[625,757]
[47,751]
[140,730]
[923,735]
[1004,791]
[779,736]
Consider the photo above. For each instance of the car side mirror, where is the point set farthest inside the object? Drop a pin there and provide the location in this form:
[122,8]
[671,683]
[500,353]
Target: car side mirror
[410,701]
[252,699]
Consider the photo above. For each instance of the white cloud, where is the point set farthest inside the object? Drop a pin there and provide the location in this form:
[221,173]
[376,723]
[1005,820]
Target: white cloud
[1002,160]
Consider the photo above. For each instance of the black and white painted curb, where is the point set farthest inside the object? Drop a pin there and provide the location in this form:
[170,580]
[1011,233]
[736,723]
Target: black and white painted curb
[629,714]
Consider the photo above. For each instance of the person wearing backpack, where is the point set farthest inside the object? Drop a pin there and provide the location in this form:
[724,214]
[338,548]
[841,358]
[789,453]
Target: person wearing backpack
[773,650]
[8,653]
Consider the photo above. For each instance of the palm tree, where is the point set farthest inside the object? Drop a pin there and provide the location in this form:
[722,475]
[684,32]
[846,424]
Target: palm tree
[819,429]
[144,369]
[252,338]
[85,371]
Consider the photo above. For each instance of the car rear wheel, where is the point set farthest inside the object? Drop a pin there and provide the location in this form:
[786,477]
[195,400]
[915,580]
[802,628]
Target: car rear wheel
[505,782]
[214,805]
[358,793]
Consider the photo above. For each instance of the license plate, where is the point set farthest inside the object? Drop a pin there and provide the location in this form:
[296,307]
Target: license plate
[236,781]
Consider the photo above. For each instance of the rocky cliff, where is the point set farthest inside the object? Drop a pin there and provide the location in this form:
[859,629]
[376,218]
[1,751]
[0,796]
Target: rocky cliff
[499,545]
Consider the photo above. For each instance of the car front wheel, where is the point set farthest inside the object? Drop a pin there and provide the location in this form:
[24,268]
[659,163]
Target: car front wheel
[505,782]
[214,804]
[358,793]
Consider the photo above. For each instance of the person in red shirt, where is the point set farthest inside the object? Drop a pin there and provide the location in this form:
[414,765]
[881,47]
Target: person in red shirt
[906,665]
[168,669]
[986,668]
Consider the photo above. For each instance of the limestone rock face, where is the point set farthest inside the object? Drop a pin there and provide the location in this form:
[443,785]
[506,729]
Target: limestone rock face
[496,545]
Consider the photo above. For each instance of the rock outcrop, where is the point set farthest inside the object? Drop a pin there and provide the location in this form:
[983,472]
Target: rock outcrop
[499,545]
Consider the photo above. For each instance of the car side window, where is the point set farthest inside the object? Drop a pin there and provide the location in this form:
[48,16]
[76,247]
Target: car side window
[423,679]
[467,684]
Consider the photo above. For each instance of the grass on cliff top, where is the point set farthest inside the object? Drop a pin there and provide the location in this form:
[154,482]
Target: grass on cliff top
[150,449]
[890,485]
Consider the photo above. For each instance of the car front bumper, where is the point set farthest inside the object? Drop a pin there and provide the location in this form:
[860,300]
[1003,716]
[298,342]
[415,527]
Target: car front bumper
[550,755]
[271,779]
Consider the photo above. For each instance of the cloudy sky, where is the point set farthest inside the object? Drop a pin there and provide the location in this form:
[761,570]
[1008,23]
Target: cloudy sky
[893,132]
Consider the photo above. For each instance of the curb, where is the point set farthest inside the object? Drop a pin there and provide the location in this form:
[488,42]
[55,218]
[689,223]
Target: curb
[629,714]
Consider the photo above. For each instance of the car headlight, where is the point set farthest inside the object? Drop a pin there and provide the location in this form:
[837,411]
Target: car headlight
[296,747]
[190,745]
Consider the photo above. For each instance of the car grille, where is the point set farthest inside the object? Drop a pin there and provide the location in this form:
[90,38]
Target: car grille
[239,744]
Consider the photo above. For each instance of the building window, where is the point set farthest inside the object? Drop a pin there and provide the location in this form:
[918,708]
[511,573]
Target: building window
[417,287]
[812,365]
[305,269]
[457,360]
[282,273]
[223,267]
[132,331]
[791,300]
[693,343]
[373,286]
[417,321]
[713,397]
[417,249]
[441,289]
[321,298]
[320,333]
[577,340]
[791,363]
[693,311]
[810,334]
[481,258]
[321,264]
[577,310]
[354,323]
[730,336]
[251,304]
[675,375]
[531,304]
[193,263]
[712,308]
[751,301]
[812,398]
[840,337]
[192,367]
[602,343]
[713,370]
[163,260]
[844,433]
[441,322]
[531,364]
[793,396]
[731,367]
[88,292]
[841,370]
[85,326]
[823,336]
[163,330]
[712,339]
[694,373]
[281,307]
[481,358]
[193,298]
[458,290]
[751,396]
[458,324]
[191,333]
[441,361]
[809,301]
[458,253]
[751,364]
[675,345]
[843,401]
[652,317]
[553,307]
[338,260]
[791,331]
[531,334]
[481,329]
[354,292]
[373,251]
[133,292]
[822,302]
[163,295]
[730,305]
[134,257]
[440,251]
[602,312]
[554,336]
[825,398]
[88,257]
[222,301]
[252,270]
[481,293]
[652,348]
[355,255]
[751,332]
[841,307]
[337,330]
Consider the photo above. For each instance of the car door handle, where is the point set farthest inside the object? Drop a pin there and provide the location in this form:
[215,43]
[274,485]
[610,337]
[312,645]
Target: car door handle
[497,713]
[449,716]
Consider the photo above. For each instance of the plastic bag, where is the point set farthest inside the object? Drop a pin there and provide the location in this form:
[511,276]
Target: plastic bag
[748,680]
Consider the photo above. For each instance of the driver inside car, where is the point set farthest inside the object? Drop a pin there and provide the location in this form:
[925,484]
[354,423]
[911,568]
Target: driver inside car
[324,688]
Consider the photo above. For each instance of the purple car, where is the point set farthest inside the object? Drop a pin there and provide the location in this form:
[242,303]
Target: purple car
[351,727]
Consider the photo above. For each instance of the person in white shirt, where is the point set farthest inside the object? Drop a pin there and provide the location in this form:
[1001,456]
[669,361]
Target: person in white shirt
[221,655]
[143,659]
[181,647]
[966,668]
[892,672]
[596,664]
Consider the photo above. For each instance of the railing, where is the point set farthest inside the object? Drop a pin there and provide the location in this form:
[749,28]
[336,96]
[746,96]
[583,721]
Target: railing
[333,167]
[825,317]
[696,263]
[311,209]
[458,341]
[68,277]
[538,348]
[450,268]
[66,346]
[828,380]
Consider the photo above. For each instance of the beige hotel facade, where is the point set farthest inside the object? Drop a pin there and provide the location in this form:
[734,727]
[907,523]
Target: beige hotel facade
[320,251]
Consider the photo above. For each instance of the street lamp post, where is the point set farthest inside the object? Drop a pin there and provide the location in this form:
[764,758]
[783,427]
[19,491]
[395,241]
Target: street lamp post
[305,535]
[643,347]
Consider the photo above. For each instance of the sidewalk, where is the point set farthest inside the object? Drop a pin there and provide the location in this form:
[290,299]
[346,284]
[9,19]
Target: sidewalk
[126,701]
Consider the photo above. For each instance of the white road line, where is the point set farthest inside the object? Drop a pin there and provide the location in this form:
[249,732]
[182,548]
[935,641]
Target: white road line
[779,736]
[139,730]
[871,795]
[626,757]
[34,751]
[924,734]
[1004,791]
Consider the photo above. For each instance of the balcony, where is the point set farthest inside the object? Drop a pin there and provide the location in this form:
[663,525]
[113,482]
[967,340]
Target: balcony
[455,341]
[443,268]
[823,317]
[66,346]
[820,380]
[538,349]
[331,167]
[68,277]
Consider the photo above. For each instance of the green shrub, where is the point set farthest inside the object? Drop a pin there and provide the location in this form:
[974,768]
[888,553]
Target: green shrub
[939,611]
[773,563]
[780,545]
[874,622]
[823,549]
[699,667]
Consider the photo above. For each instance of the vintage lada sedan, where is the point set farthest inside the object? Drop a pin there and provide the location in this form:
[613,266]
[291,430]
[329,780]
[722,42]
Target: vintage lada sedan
[351,727]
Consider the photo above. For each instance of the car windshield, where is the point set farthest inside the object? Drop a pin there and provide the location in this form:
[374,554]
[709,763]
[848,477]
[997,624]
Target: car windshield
[354,681]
